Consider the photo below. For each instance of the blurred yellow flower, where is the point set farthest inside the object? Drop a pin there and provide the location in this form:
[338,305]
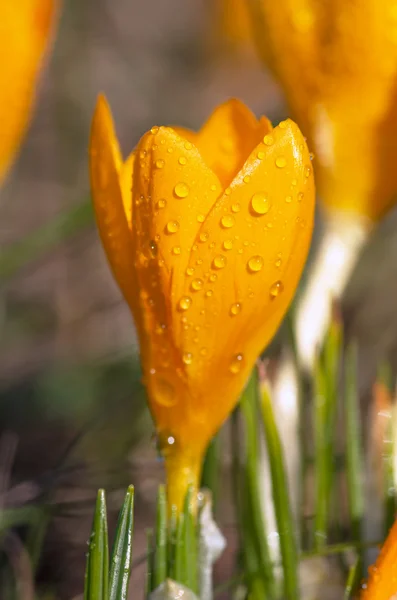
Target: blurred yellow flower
[337,64]
[382,581]
[25,28]
[207,234]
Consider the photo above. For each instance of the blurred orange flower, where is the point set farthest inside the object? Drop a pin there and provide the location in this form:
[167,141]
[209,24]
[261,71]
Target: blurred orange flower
[25,29]
[382,582]
[337,64]
[207,234]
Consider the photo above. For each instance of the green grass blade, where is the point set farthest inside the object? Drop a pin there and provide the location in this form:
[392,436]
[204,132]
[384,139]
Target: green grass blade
[44,239]
[211,470]
[122,550]
[352,579]
[160,555]
[354,452]
[190,545]
[179,571]
[253,522]
[96,577]
[149,563]
[285,521]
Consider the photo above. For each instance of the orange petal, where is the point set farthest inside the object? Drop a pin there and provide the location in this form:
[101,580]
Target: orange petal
[228,137]
[107,192]
[249,255]
[25,30]
[382,582]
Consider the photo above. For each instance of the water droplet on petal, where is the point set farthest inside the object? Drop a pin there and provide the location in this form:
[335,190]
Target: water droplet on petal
[219,261]
[260,203]
[182,160]
[247,179]
[181,190]
[288,199]
[261,155]
[187,358]
[300,196]
[184,303]
[153,247]
[227,244]
[160,163]
[228,191]
[255,264]
[282,124]
[276,289]
[196,284]
[236,364]
[203,237]
[307,171]
[188,145]
[281,162]
[190,271]
[227,221]
[235,309]
[172,227]
[154,129]
[268,140]
[162,203]
[209,293]
[236,207]
[201,218]
[176,250]
[213,277]
[163,392]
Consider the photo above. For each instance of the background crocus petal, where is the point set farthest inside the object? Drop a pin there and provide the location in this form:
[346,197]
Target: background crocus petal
[227,138]
[382,582]
[107,192]
[126,173]
[25,30]
[245,266]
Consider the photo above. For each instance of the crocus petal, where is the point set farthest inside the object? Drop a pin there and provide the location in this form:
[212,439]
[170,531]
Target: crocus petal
[382,582]
[107,192]
[25,28]
[228,137]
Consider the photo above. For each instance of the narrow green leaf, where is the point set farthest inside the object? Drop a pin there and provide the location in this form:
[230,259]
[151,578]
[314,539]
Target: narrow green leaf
[354,451]
[211,470]
[160,554]
[120,565]
[253,522]
[44,239]
[285,521]
[149,563]
[179,573]
[352,579]
[97,569]
[190,545]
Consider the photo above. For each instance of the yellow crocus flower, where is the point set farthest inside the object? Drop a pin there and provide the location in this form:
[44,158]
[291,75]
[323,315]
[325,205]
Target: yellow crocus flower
[25,30]
[382,581]
[207,234]
[337,64]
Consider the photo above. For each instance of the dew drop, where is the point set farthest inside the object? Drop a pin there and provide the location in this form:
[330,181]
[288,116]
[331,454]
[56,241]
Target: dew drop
[196,284]
[182,160]
[160,163]
[213,277]
[187,358]
[190,271]
[213,187]
[188,145]
[200,218]
[162,203]
[154,129]
[219,261]
[153,247]
[227,221]
[203,237]
[300,196]
[281,162]
[235,309]
[236,207]
[261,155]
[278,263]
[227,244]
[307,171]
[181,190]
[228,191]
[268,140]
[276,289]
[176,250]
[164,392]
[294,182]
[255,264]
[311,155]
[172,227]
[288,199]
[260,203]
[282,124]
[236,364]
[247,179]
[184,303]
[209,293]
